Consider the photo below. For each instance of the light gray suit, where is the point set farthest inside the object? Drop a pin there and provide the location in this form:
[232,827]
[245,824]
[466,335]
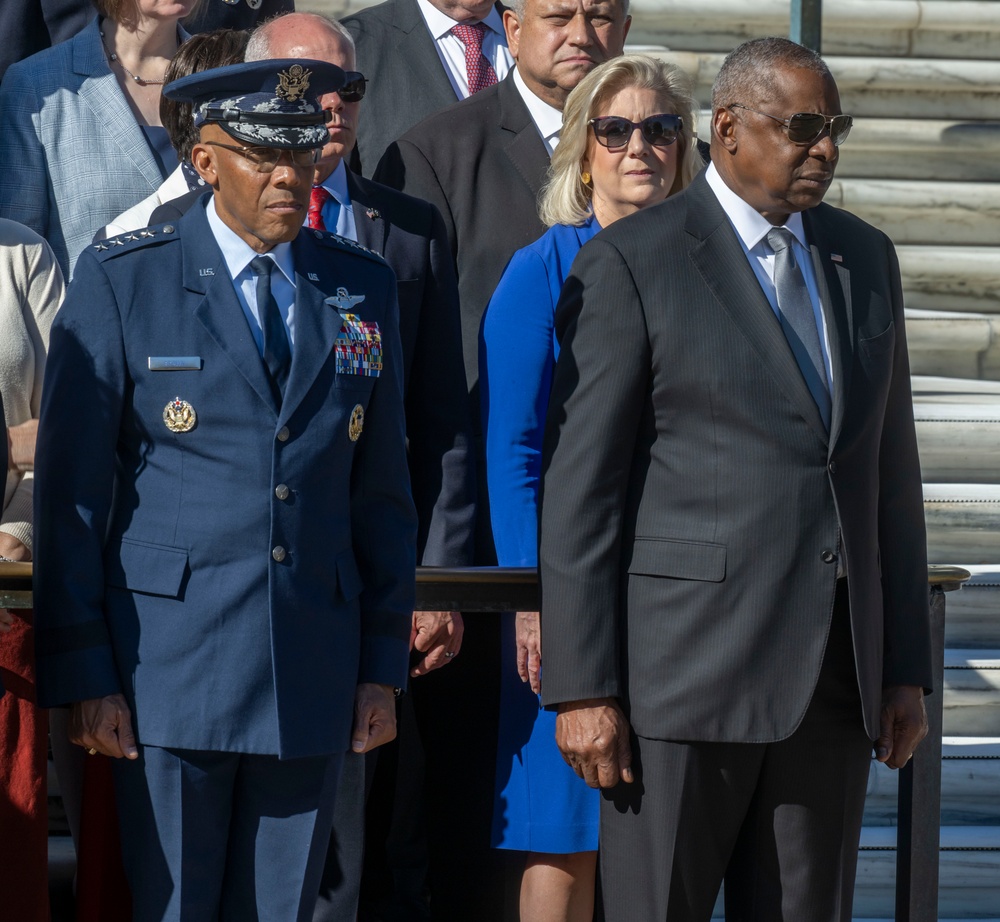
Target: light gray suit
[75,156]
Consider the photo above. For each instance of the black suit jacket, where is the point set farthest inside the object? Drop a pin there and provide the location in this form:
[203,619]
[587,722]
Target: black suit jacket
[218,14]
[409,234]
[694,507]
[28,26]
[406,80]
[482,162]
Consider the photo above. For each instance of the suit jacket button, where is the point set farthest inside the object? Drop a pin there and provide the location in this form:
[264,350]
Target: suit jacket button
[283,434]
[832,467]
[281,491]
[828,556]
[278,553]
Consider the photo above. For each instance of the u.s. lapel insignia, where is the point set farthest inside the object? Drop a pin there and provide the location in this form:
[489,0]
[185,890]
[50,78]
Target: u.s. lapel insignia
[343,301]
[179,415]
[372,213]
[836,258]
[312,276]
[357,423]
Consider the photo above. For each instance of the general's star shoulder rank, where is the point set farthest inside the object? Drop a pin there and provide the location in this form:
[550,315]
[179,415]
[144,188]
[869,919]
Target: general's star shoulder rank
[349,245]
[124,243]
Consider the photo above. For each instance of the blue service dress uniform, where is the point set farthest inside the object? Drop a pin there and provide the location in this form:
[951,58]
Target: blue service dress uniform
[233,562]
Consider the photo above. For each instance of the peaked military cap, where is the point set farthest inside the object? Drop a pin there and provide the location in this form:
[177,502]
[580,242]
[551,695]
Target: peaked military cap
[265,103]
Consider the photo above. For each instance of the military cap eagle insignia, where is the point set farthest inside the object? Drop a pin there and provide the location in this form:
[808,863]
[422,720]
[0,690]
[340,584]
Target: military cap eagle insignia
[293,83]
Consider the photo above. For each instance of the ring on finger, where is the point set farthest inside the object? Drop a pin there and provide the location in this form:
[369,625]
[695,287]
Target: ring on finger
[91,752]
[449,654]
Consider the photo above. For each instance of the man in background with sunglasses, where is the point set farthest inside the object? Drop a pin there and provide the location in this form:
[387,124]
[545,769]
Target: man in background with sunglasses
[410,235]
[226,587]
[732,550]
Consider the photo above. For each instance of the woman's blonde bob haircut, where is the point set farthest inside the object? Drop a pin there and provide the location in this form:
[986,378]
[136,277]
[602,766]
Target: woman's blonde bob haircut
[565,198]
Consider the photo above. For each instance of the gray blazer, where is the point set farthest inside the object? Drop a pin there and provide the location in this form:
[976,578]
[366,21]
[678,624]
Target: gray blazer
[406,81]
[694,507]
[74,154]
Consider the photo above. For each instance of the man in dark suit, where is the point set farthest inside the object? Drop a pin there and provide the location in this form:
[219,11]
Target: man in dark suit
[416,65]
[225,594]
[28,26]
[410,235]
[234,14]
[732,540]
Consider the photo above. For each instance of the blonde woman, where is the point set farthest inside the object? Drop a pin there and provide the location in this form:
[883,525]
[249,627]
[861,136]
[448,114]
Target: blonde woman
[627,143]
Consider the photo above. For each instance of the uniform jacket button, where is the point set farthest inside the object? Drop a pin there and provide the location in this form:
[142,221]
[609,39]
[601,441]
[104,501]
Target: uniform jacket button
[281,491]
[278,553]
[283,434]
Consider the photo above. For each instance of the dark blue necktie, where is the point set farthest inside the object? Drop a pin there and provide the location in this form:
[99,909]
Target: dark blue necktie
[277,352]
[798,322]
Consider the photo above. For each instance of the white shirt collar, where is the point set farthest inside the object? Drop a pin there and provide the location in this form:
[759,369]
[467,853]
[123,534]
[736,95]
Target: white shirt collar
[749,223]
[547,119]
[237,252]
[336,184]
[439,25]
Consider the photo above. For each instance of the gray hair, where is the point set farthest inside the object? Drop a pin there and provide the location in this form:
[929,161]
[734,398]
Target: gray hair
[518,7]
[746,76]
[565,198]
[259,47]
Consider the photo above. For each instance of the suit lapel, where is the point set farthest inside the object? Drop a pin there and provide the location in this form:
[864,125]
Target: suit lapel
[370,223]
[111,110]
[415,52]
[525,149]
[719,258]
[834,281]
[316,327]
[218,309]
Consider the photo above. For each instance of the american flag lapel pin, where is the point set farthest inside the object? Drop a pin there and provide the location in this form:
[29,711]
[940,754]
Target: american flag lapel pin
[372,213]
[836,257]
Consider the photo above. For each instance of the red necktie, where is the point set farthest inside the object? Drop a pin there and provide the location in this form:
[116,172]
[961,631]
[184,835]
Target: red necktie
[480,72]
[317,199]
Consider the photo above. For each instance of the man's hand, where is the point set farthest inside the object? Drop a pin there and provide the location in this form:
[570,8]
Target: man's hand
[593,737]
[374,716]
[903,724]
[528,637]
[13,549]
[438,635]
[104,724]
[21,445]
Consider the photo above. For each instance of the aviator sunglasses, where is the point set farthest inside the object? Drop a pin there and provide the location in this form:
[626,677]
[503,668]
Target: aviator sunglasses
[354,86]
[614,132]
[808,127]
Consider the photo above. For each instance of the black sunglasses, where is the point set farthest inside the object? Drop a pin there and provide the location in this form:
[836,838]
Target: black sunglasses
[353,89]
[808,127]
[614,132]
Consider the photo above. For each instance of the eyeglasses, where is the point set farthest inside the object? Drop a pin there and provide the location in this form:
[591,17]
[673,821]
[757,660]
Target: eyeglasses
[354,86]
[614,132]
[808,127]
[265,159]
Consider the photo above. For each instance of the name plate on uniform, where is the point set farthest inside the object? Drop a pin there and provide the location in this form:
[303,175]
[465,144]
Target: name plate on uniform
[175,363]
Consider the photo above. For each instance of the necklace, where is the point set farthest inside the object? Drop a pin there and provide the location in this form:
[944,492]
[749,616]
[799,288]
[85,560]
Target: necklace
[142,81]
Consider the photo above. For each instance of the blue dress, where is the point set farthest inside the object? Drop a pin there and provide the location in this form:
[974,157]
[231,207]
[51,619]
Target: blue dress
[540,804]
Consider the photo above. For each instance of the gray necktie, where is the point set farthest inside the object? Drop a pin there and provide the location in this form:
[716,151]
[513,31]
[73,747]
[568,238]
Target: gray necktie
[277,352]
[797,319]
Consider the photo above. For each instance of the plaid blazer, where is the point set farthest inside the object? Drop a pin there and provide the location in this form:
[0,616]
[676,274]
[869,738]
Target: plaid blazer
[74,155]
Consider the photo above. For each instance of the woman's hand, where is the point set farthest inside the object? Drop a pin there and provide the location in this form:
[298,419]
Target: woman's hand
[528,636]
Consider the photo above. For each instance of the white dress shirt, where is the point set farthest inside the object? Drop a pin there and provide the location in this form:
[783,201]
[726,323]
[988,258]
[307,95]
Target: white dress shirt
[451,49]
[751,230]
[547,119]
[336,185]
[238,254]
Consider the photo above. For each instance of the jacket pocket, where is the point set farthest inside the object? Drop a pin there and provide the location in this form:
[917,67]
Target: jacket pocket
[349,580]
[678,559]
[880,344]
[156,569]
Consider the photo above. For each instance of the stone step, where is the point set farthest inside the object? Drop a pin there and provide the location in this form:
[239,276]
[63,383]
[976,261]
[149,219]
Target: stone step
[970,785]
[963,522]
[951,278]
[924,212]
[972,615]
[969,872]
[878,87]
[921,28]
[958,443]
[972,692]
[959,345]
[938,389]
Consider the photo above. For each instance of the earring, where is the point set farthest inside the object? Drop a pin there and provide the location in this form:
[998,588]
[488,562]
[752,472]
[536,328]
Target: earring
[585,178]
